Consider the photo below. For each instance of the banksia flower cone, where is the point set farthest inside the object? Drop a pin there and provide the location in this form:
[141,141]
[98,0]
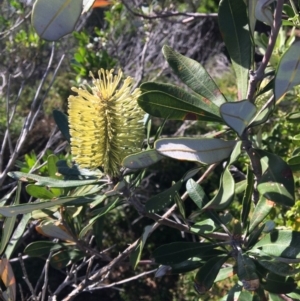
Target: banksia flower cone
[106,123]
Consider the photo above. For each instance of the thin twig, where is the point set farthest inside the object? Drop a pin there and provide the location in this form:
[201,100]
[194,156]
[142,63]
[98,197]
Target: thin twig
[21,292]
[68,280]
[167,222]
[11,29]
[184,126]
[38,108]
[40,280]
[90,288]
[46,277]
[36,165]
[89,268]
[26,279]
[9,120]
[28,122]
[18,258]
[141,70]
[257,76]
[7,117]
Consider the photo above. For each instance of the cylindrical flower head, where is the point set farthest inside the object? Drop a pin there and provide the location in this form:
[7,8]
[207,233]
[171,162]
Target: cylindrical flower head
[106,123]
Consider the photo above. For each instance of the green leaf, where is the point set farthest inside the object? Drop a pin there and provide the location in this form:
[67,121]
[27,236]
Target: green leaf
[262,115]
[269,86]
[293,117]
[188,265]
[50,182]
[294,163]
[296,139]
[246,271]
[238,115]
[77,173]
[233,23]
[220,219]
[254,236]
[88,191]
[263,12]
[225,273]
[177,252]
[53,173]
[287,23]
[246,202]
[280,243]
[288,72]
[39,192]
[41,248]
[207,274]
[192,172]
[276,183]
[194,262]
[245,267]
[62,122]
[99,199]
[251,15]
[180,204]
[44,213]
[240,187]
[295,295]
[288,10]
[9,222]
[52,168]
[203,227]
[273,297]
[196,193]
[245,296]
[225,193]
[269,226]
[163,199]
[98,231]
[56,18]
[279,268]
[10,211]
[54,229]
[171,102]
[97,213]
[203,150]
[135,256]
[142,159]
[18,233]
[279,284]
[262,209]
[64,258]
[296,151]
[194,76]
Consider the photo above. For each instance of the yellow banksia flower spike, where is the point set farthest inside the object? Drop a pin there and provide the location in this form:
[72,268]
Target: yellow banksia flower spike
[106,123]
